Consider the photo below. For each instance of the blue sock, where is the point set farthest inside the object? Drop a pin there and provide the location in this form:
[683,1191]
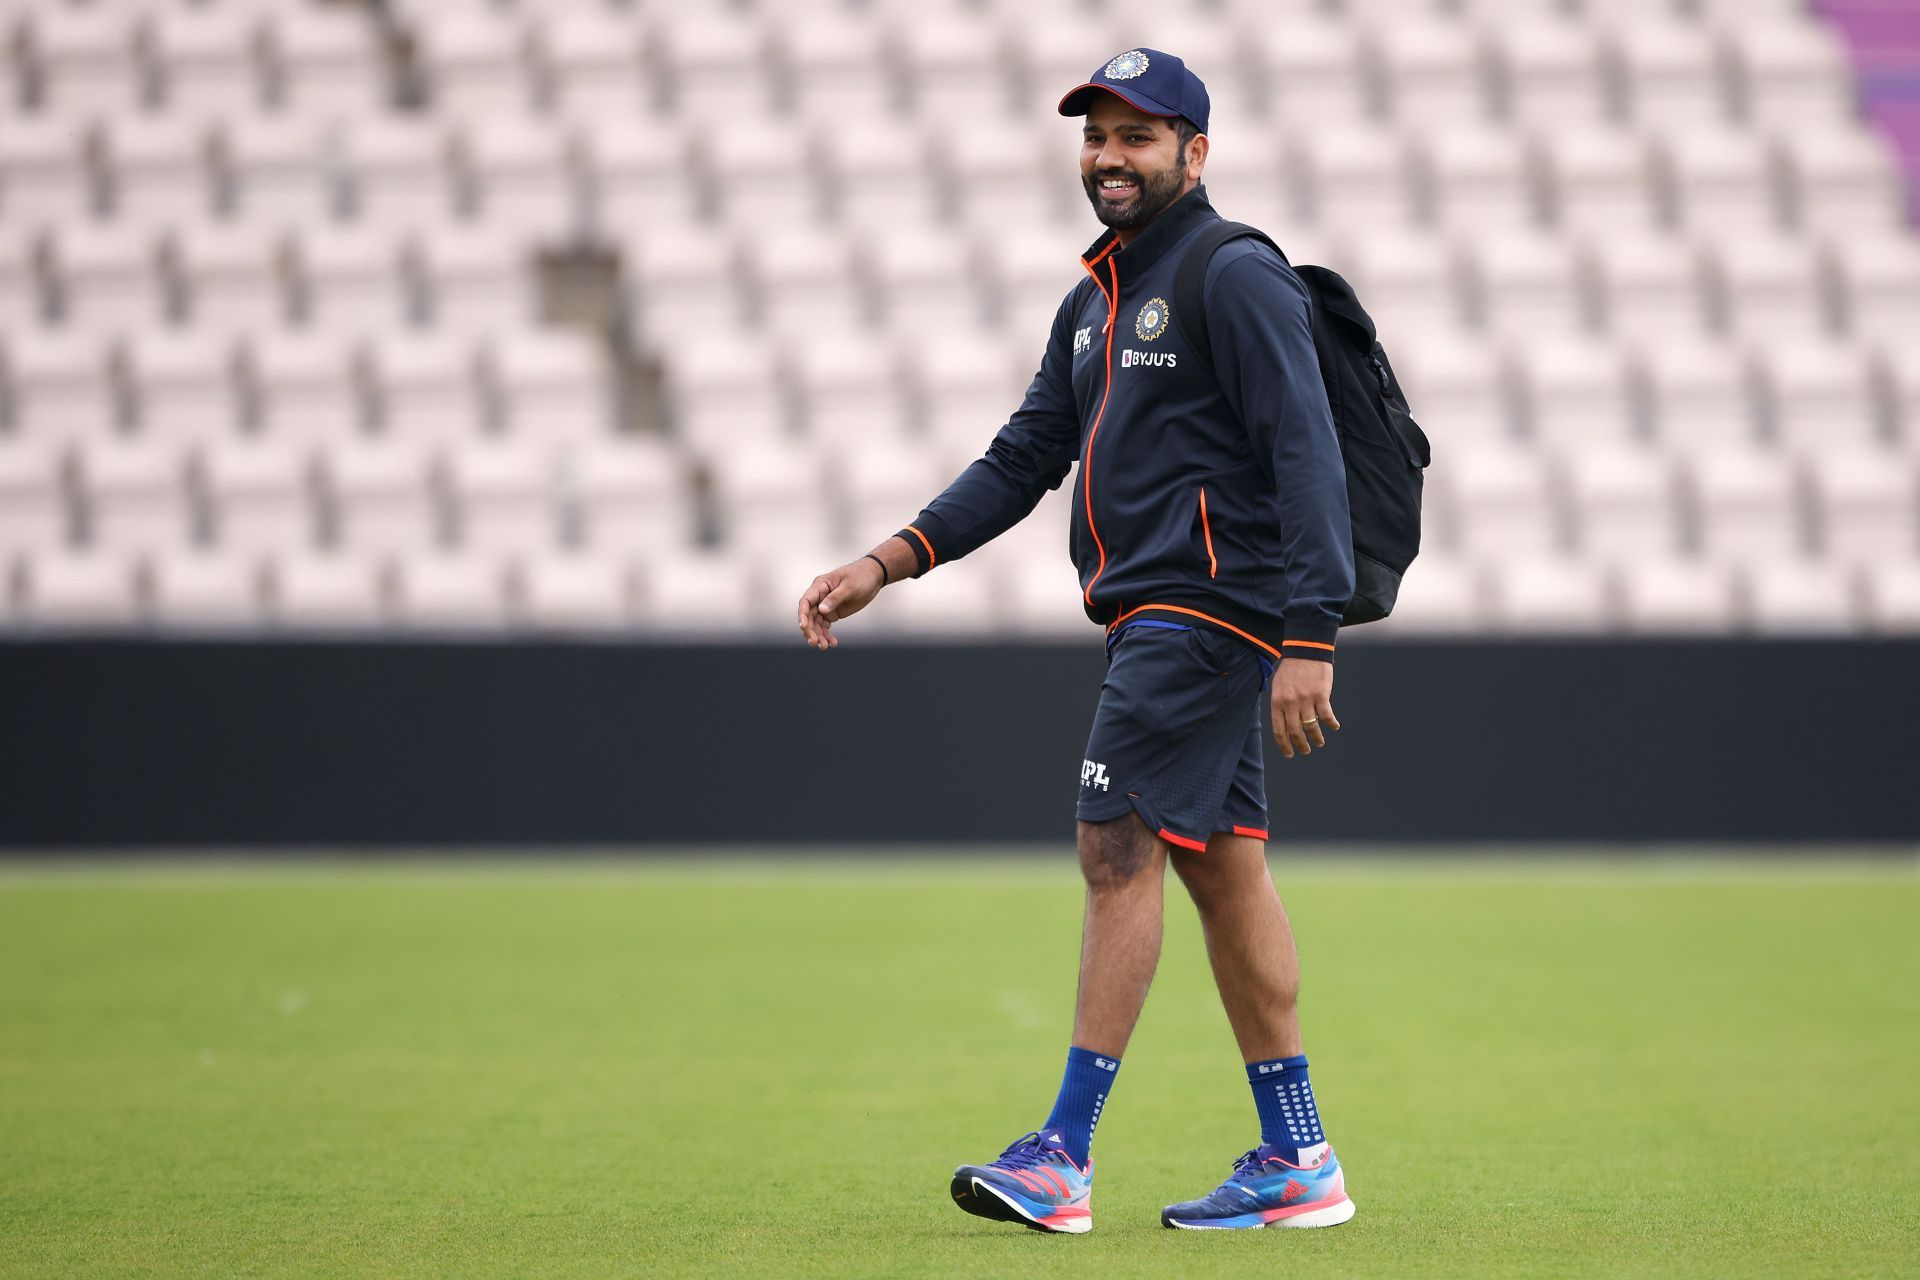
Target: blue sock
[1289,1120]
[1083,1091]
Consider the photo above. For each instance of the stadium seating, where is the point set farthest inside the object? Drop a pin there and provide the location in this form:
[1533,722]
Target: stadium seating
[288,340]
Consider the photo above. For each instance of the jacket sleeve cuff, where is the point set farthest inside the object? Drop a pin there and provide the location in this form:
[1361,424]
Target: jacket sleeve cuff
[924,556]
[1309,638]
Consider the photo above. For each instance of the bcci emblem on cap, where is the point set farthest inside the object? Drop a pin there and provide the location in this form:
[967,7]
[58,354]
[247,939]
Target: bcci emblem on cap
[1152,320]
[1128,65]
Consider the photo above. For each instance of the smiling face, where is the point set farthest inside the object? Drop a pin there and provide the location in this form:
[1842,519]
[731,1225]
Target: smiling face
[1133,166]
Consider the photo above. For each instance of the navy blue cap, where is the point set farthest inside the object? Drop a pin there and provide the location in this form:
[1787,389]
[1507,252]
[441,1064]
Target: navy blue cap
[1155,82]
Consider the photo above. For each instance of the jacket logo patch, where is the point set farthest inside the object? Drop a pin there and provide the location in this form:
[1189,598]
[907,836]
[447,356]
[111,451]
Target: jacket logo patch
[1131,359]
[1082,340]
[1152,320]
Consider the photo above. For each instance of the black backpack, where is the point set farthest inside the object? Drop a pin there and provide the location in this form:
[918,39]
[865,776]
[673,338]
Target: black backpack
[1384,449]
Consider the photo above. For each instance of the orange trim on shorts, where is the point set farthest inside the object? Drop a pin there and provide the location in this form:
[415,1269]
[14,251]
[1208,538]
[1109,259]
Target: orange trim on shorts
[931,558]
[1195,613]
[1257,833]
[1196,845]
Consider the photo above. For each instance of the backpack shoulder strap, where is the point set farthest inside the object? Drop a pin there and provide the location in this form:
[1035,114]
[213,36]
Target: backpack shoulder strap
[1190,280]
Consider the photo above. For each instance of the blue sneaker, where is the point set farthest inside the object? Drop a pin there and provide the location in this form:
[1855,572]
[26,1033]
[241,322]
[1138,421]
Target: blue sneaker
[1265,1191]
[1034,1183]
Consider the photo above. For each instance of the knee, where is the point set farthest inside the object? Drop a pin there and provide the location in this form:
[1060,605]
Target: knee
[1118,853]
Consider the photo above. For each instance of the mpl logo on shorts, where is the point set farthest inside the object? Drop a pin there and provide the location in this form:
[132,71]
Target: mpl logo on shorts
[1093,775]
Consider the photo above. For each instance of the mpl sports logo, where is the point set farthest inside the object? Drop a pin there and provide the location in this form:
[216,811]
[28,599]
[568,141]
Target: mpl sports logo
[1082,340]
[1093,775]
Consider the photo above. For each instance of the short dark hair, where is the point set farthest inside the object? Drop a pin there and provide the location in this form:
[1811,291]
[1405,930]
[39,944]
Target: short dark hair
[1184,131]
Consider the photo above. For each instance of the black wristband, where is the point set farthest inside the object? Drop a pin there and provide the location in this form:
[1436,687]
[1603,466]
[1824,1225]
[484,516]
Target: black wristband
[886,579]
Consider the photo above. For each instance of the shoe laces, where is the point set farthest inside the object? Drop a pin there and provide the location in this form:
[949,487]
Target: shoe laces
[1024,1153]
[1249,1162]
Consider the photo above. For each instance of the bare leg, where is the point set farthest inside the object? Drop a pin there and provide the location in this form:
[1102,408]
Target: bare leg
[1125,867]
[1249,943]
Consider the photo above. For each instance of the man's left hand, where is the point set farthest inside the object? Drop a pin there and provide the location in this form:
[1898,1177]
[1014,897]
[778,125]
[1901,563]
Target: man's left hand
[1302,705]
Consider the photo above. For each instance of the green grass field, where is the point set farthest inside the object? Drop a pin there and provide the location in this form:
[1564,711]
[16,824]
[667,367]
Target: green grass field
[1566,1068]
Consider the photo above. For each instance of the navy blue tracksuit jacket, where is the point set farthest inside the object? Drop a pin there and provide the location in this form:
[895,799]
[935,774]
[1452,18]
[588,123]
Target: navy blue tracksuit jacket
[1214,497]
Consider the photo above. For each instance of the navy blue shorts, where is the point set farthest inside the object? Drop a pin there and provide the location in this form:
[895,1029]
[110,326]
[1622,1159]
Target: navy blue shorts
[1177,736]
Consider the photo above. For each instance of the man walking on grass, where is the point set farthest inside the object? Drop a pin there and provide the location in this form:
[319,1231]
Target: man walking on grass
[1210,530]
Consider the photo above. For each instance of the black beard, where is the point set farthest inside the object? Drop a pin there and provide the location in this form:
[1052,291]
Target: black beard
[1156,194]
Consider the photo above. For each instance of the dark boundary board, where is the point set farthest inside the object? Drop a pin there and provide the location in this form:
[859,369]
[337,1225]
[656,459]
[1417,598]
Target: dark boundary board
[158,743]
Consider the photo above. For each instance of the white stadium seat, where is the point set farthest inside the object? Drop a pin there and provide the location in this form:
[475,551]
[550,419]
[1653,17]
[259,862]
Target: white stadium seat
[23,295]
[551,384]
[80,591]
[1801,597]
[259,493]
[1698,394]
[87,61]
[718,64]
[523,177]
[1747,503]
[1819,394]
[475,279]
[1878,281]
[108,277]
[724,389]
[1677,597]
[231,279]
[159,169]
[1553,594]
[1793,71]
[327,592]
[1440,595]
[1623,503]
[476,63]
[33,508]
[208,62]
[451,592]
[1578,392]
[399,172]
[134,493]
[1866,501]
[591,58]
[1647,283]
[771,496]
[1528,285]
[576,593]
[280,170]
[46,178]
[632,496]
[1599,179]
[184,385]
[698,593]
[1311,68]
[1482,180]
[838,66]
[1552,69]
[685,280]
[325,64]
[1500,501]
[306,387]
[848,390]
[504,496]
[1670,70]
[1844,179]
[59,386]
[1435,69]
[381,496]
[1770,285]
[207,591]
[1893,597]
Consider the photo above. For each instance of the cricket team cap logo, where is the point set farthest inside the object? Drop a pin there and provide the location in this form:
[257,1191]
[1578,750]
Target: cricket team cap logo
[1149,80]
[1152,320]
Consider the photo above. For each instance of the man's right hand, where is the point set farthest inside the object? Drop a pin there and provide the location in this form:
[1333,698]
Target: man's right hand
[838,594]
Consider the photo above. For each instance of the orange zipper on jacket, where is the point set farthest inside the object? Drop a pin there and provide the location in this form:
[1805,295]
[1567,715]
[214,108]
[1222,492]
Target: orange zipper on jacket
[1213,564]
[1086,459]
